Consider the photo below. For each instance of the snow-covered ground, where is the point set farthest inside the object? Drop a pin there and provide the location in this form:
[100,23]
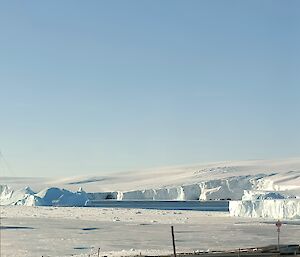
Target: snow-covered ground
[65,231]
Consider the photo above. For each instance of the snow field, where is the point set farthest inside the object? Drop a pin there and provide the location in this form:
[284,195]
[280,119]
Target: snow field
[65,231]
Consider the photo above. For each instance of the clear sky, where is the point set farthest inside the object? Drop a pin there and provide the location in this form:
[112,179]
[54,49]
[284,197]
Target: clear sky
[100,86]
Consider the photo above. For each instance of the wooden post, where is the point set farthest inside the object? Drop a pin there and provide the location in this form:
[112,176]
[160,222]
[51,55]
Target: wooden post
[98,252]
[173,240]
[278,225]
[278,239]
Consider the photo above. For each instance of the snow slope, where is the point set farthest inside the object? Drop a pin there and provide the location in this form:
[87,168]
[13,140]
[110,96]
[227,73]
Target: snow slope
[285,174]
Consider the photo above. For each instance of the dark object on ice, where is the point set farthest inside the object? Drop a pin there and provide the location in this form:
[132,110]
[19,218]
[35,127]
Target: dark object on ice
[88,229]
[14,227]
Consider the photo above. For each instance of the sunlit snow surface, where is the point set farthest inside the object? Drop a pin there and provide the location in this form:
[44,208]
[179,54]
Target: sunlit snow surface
[64,231]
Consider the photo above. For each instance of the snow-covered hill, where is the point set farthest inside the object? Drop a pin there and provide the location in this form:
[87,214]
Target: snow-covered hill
[240,180]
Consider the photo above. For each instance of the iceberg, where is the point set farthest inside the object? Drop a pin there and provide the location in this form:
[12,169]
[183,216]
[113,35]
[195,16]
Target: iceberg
[273,209]
[48,197]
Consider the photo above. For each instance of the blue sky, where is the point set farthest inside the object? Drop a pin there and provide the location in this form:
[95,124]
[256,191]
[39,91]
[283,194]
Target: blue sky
[102,86]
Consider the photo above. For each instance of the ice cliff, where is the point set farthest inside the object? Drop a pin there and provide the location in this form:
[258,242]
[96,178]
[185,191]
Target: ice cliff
[274,209]
[229,188]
